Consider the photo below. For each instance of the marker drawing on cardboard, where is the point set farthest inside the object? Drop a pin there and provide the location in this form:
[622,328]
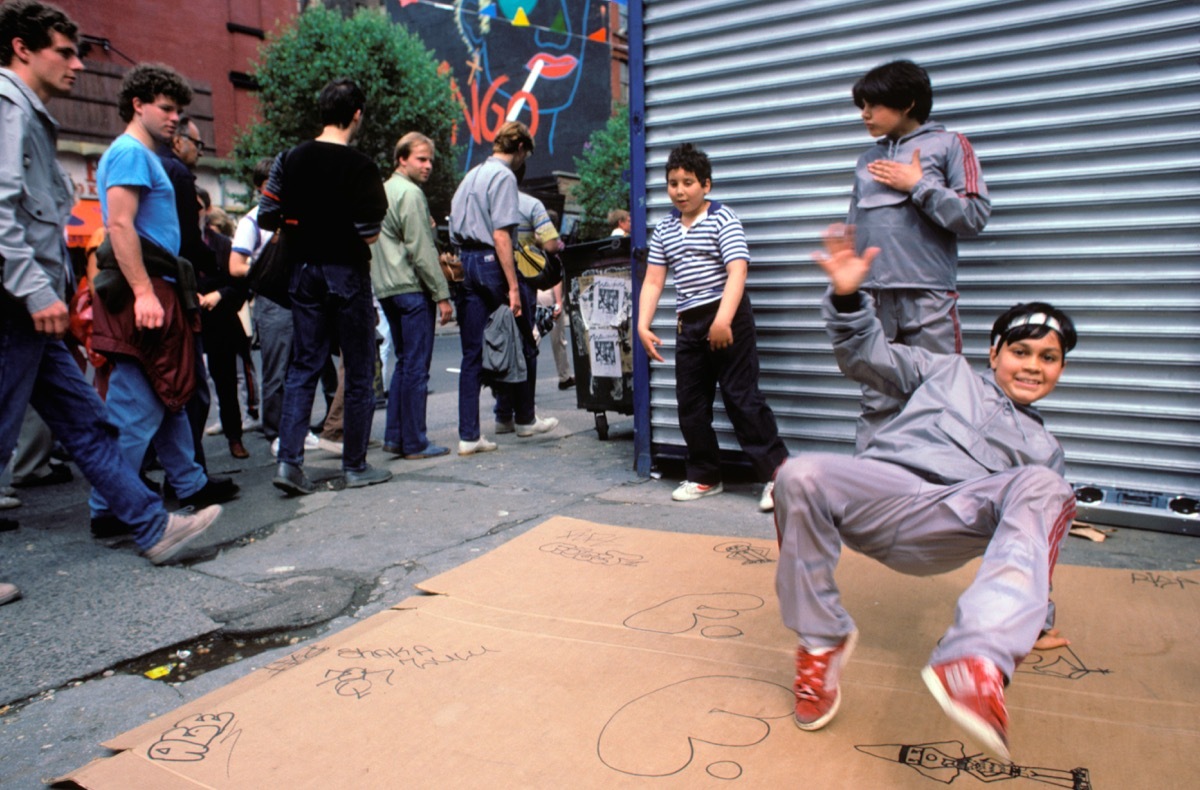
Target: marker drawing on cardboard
[686,613]
[355,682]
[1162,580]
[593,547]
[192,739]
[293,660]
[745,552]
[719,711]
[1061,662]
[945,761]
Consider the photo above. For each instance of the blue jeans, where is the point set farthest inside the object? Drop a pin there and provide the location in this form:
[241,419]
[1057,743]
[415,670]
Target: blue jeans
[518,400]
[483,289]
[273,322]
[411,319]
[35,367]
[141,418]
[330,302]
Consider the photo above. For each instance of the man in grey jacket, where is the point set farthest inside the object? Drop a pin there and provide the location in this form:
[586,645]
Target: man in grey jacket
[40,62]
[965,469]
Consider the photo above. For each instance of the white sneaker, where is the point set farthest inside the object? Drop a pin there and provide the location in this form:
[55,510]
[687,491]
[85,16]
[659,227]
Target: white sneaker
[689,491]
[8,502]
[182,528]
[214,430]
[505,426]
[539,425]
[8,593]
[766,503]
[330,446]
[480,445]
[311,442]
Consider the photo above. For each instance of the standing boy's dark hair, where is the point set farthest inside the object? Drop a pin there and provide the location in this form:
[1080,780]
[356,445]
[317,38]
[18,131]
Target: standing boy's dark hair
[32,23]
[338,102]
[149,81]
[690,158]
[899,85]
[262,171]
[1033,320]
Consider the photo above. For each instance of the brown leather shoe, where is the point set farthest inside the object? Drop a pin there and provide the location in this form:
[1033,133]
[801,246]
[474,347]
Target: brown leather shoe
[238,450]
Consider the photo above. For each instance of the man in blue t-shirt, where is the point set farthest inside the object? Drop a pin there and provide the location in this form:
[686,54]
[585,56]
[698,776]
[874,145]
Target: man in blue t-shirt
[149,335]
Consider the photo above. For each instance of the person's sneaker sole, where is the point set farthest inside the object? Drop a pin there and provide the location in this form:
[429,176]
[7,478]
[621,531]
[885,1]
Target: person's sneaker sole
[979,730]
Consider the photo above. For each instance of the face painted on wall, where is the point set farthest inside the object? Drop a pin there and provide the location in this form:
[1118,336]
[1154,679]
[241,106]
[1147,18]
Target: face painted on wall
[532,52]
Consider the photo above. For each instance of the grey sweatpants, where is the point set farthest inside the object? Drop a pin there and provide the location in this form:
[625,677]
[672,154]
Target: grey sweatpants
[1016,519]
[910,317]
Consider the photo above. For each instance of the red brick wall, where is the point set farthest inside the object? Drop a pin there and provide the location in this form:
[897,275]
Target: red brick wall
[191,37]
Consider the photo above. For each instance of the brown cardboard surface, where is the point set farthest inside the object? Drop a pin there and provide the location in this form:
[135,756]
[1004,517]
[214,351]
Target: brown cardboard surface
[593,656]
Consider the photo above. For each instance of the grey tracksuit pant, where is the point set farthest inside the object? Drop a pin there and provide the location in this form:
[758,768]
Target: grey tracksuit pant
[1016,519]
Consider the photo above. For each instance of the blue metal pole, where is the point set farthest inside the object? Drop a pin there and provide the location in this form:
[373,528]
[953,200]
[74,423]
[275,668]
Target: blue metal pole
[637,205]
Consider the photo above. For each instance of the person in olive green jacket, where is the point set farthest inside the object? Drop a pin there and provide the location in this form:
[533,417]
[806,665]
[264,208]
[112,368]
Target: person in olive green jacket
[412,290]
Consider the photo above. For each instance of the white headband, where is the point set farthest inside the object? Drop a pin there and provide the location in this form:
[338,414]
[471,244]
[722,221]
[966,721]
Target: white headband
[1030,319]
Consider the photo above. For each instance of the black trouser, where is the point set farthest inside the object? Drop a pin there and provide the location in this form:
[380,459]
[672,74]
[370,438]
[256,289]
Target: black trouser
[224,340]
[698,370]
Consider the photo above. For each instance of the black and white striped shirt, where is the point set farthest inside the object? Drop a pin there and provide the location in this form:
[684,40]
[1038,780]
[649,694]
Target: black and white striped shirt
[699,255]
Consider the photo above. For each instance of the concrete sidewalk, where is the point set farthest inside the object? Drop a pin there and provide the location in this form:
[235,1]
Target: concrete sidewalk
[275,571]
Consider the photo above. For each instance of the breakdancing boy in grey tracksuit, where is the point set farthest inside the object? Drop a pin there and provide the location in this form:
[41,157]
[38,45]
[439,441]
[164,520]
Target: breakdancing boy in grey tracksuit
[965,469]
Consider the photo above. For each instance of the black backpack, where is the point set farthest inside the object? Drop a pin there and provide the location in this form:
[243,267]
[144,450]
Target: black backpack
[270,274]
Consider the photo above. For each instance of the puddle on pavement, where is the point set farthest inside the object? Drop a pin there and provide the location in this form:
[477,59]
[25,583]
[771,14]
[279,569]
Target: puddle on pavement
[187,661]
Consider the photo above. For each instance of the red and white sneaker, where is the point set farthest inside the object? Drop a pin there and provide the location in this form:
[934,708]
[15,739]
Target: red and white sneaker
[818,671]
[971,692]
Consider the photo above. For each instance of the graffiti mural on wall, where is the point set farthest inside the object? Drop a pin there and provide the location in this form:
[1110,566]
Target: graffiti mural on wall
[543,62]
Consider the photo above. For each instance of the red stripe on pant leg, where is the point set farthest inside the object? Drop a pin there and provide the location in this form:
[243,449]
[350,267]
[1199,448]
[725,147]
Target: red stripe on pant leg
[1058,531]
[954,320]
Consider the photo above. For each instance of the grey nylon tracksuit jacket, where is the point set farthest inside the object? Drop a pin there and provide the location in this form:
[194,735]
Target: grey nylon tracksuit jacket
[957,423]
[918,232]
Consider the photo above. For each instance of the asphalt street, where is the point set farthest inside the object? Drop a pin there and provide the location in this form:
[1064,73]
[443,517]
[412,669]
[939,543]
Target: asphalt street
[274,571]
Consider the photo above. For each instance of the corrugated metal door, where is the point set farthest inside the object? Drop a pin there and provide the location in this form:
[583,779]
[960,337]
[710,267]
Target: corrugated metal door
[1084,116]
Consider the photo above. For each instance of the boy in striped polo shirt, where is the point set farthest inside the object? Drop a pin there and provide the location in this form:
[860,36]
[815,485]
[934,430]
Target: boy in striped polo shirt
[703,242]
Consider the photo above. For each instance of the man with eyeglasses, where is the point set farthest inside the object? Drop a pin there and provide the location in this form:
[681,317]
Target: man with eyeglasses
[40,62]
[179,155]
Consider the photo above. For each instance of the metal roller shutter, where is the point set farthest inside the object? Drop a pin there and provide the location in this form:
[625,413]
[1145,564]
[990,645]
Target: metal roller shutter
[1084,116]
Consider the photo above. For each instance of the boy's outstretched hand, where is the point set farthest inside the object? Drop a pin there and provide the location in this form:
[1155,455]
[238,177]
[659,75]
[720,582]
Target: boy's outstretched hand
[845,268]
[649,341]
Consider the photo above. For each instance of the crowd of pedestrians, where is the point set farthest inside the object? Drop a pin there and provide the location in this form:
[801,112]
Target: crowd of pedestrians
[950,465]
[157,313]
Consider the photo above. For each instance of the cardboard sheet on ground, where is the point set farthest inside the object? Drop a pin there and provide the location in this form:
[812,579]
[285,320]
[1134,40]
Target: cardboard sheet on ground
[585,655]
